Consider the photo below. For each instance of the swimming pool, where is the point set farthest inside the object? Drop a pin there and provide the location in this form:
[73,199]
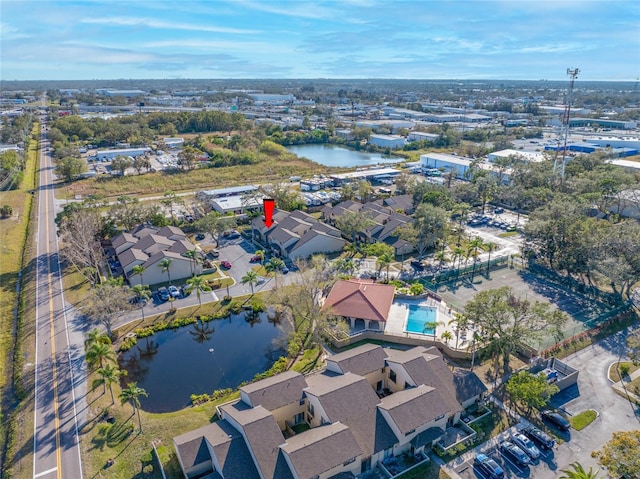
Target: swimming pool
[418,318]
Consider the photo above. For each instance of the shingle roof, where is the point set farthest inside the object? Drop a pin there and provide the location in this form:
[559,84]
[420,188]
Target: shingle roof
[412,408]
[171,231]
[122,239]
[351,400]
[361,360]
[276,391]
[262,434]
[426,366]
[132,255]
[321,449]
[467,384]
[359,299]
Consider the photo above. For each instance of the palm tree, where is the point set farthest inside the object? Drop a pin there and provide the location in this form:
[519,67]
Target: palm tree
[250,277]
[447,336]
[142,295]
[489,247]
[131,394]
[458,252]
[98,353]
[578,472]
[457,319]
[473,249]
[165,266]
[199,284]
[109,375]
[139,269]
[96,337]
[384,260]
[273,266]
[192,254]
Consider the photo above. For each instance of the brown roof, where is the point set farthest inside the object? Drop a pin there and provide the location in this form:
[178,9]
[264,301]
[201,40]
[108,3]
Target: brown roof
[349,399]
[261,432]
[412,408]
[426,366]
[359,299]
[321,449]
[276,391]
[361,360]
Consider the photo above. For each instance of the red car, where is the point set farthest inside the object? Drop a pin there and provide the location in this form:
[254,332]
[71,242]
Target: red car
[255,259]
[225,264]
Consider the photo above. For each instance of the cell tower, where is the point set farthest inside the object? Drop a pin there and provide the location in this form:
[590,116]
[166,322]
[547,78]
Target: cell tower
[573,74]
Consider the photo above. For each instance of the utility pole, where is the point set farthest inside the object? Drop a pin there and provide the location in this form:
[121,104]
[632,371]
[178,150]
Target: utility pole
[573,74]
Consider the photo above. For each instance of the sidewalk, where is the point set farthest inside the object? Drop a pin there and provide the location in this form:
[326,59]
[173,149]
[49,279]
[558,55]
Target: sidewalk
[620,386]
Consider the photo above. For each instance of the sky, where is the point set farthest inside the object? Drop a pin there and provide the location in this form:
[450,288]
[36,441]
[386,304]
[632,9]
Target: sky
[270,39]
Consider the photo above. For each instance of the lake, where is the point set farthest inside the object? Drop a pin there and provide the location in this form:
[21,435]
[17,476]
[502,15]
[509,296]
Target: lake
[173,364]
[332,155]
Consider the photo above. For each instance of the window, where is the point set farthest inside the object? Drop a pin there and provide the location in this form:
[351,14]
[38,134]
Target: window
[392,375]
[302,402]
[311,409]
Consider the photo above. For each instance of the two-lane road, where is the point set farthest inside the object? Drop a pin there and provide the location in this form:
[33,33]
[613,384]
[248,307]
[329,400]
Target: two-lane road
[56,444]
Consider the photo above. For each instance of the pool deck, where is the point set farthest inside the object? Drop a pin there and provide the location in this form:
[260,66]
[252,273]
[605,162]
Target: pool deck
[399,313]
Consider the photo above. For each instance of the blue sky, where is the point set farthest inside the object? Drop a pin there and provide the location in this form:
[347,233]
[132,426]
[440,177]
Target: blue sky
[436,39]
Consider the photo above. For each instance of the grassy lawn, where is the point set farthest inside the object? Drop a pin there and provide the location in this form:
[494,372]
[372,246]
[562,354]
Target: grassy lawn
[310,360]
[122,442]
[430,470]
[269,169]
[16,251]
[583,419]
[614,372]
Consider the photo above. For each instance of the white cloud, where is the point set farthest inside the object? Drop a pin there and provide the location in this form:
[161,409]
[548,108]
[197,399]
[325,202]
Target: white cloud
[132,21]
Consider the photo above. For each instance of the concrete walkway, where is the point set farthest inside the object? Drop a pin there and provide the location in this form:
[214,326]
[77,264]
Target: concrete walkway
[620,386]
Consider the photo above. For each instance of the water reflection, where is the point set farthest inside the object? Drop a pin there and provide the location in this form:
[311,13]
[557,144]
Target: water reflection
[173,364]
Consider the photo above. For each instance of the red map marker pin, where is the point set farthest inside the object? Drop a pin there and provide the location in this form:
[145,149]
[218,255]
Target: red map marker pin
[269,205]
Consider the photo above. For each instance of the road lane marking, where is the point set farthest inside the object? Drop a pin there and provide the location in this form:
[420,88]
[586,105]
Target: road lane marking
[44,473]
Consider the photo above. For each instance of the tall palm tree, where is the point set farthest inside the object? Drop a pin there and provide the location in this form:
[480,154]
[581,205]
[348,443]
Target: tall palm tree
[131,394]
[489,247]
[251,277]
[96,337]
[274,265]
[165,266]
[447,336]
[384,260]
[192,254]
[98,353]
[458,252]
[109,375]
[142,294]
[475,245]
[578,472]
[139,269]
[199,284]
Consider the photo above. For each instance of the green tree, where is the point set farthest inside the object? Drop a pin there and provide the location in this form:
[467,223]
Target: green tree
[274,265]
[70,168]
[142,294]
[251,278]
[633,344]
[98,353]
[95,336]
[350,223]
[428,227]
[131,394]
[621,455]
[108,376]
[384,261]
[120,163]
[215,224]
[505,320]
[530,390]
[6,211]
[165,265]
[199,284]
[577,471]
[138,269]
[447,336]
[187,157]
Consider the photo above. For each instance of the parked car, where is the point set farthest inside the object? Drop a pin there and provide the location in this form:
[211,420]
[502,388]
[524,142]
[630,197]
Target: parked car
[527,445]
[417,265]
[488,467]
[255,259]
[498,210]
[225,264]
[163,294]
[285,270]
[557,419]
[214,253]
[514,453]
[200,236]
[541,438]
[174,291]
[231,234]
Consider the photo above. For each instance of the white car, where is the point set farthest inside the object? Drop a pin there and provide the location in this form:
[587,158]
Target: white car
[527,445]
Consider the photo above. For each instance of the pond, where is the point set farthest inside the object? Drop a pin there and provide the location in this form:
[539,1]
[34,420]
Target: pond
[200,358]
[332,155]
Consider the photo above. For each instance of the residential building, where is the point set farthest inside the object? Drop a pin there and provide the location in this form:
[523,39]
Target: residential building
[368,405]
[361,300]
[148,246]
[297,234]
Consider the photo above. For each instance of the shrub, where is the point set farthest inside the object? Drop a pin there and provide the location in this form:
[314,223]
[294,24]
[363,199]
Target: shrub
[624,369]
[128,343]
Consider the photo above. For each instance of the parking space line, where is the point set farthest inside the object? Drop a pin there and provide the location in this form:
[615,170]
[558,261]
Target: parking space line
[511,462]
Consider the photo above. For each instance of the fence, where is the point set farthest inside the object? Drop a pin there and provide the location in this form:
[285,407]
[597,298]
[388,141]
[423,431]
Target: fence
[478,269]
